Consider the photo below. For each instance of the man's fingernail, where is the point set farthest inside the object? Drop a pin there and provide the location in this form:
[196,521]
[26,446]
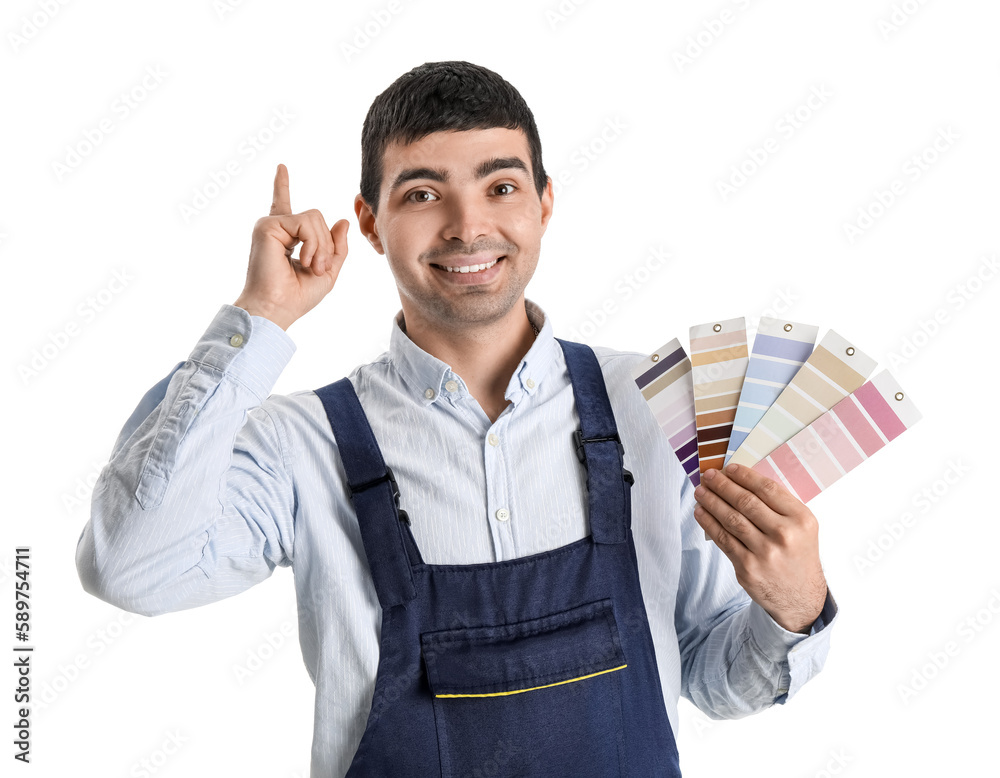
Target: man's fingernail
[732,468]
[709,475]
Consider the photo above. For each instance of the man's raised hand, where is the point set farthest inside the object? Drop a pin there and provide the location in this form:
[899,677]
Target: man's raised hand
[278,286]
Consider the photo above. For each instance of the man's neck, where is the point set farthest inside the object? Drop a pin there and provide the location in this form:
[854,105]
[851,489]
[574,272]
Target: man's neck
[485,356]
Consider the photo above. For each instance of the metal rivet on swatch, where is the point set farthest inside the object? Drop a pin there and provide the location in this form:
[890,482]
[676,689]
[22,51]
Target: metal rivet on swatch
[717,328]
[788,328]
[899,396]
[850,351]
[655,357]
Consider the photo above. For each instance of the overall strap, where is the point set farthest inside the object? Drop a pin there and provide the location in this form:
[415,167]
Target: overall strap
[374,493]
[598,446]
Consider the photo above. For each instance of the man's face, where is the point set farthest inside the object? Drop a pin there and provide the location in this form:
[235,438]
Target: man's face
[460,224]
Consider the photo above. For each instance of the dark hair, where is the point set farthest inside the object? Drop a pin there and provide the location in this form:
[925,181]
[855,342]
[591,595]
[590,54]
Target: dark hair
[440,96]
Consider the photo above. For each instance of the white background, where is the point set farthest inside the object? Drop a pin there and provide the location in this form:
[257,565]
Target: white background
[894,76]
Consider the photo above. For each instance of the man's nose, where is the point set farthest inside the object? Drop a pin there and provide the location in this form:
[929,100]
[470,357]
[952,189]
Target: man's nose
[468,220]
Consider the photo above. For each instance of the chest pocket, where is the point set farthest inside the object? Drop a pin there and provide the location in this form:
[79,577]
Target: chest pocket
[535,698]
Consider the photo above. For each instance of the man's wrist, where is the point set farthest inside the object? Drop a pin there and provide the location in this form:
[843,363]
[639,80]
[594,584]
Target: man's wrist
[800,621]
[270,312]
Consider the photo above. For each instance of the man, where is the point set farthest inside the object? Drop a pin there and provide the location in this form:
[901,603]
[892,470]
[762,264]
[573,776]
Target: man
[495,559]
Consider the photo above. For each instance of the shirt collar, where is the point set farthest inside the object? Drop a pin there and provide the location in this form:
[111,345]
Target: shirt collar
[428,378]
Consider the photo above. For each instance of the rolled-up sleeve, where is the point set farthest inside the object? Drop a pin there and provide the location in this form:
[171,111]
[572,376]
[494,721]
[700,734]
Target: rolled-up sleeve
[196,502]
[735,659]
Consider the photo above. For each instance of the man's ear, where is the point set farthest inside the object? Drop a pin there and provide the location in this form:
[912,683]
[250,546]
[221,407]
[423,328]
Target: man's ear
[547,197]
[366,221]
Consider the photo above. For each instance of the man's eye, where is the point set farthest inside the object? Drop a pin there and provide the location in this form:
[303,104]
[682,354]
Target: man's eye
[420,196]
[509,187]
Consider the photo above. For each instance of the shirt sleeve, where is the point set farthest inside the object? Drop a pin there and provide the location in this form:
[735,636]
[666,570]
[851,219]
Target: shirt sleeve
[735,659]
[196,502]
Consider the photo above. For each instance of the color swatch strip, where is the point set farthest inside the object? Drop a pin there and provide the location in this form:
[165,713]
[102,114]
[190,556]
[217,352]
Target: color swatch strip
[842,438]
[719,364]
[664,378]
[779,349]
[833,370]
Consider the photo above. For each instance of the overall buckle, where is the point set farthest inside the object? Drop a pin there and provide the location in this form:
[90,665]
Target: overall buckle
[403,517]
[582,455]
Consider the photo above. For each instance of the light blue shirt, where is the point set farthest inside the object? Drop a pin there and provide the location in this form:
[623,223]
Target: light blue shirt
[212,484]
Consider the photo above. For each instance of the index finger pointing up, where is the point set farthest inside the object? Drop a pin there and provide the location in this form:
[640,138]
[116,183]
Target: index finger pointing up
[281,203]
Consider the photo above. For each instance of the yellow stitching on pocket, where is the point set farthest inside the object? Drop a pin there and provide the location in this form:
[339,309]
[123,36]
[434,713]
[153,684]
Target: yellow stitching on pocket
[534,688]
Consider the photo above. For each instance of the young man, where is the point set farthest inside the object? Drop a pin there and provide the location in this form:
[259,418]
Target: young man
[499,564]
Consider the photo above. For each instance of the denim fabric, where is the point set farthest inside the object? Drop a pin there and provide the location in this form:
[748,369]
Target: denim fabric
[537,666]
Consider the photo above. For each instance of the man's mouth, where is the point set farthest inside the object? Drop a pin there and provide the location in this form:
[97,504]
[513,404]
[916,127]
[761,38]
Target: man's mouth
[468,268]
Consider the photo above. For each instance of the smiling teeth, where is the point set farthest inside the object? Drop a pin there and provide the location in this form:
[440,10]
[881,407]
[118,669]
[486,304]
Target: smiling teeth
[470,268]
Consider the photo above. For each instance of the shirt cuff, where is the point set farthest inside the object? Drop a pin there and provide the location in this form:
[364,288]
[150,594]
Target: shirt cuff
[249,349]
[805,654]
[774,640]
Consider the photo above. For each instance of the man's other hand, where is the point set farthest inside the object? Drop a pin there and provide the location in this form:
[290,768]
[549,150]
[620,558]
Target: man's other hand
[771,538]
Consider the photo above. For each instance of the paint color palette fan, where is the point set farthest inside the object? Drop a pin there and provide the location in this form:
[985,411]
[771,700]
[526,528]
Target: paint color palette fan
[800,413]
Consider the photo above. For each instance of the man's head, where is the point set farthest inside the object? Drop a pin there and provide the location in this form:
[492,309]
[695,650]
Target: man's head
[436,97]
[454,195]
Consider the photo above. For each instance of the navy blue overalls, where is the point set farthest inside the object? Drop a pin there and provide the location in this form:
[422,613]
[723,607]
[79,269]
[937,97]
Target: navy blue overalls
[537,666]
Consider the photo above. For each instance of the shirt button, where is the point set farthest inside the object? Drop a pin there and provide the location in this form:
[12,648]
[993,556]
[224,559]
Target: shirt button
[530,383]
[429,394]
[493,440]
[451,386]
[236,341]
[503,514]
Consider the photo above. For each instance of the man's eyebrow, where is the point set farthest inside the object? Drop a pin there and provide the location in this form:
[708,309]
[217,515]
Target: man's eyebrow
[417,172]
[500,163]
[482,170]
